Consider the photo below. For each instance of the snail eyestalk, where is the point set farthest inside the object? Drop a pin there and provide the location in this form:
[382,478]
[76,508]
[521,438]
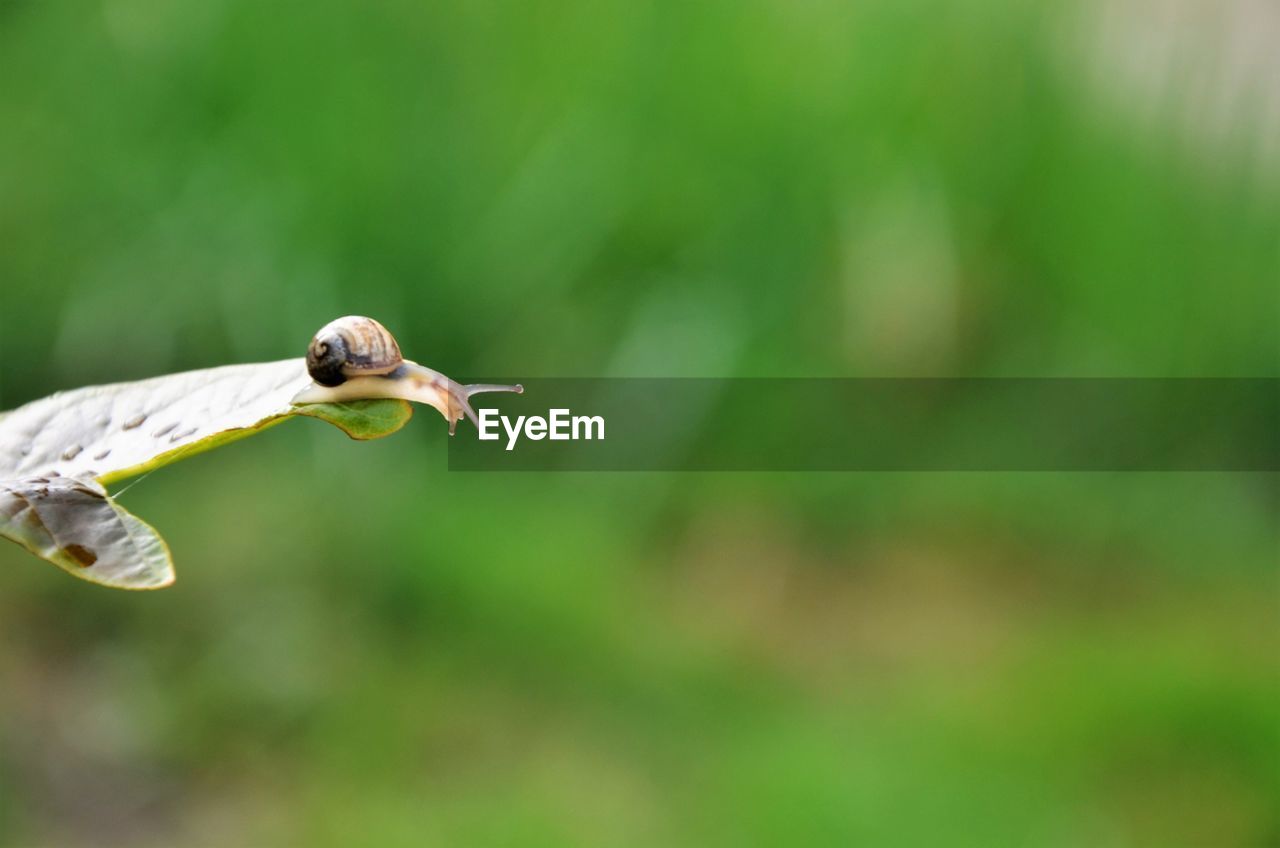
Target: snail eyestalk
[412,382]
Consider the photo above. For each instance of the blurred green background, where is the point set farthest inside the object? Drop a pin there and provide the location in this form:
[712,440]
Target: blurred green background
[364,649]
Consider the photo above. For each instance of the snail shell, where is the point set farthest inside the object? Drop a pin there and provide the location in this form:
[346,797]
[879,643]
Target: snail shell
[351,346]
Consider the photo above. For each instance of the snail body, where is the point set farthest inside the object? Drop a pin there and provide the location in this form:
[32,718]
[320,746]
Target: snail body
[356,358]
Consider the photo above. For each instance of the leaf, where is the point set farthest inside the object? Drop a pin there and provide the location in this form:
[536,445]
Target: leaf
[57,453]
[75,525]
[108,433]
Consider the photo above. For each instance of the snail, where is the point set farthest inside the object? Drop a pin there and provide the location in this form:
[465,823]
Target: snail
[356,358]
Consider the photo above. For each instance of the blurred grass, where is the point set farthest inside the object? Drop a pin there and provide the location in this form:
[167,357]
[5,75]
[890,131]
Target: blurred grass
[362,648]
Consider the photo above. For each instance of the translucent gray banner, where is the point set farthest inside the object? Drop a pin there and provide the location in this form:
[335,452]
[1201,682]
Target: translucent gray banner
[1065,424]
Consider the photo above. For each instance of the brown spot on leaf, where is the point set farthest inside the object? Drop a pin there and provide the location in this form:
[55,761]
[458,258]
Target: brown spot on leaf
[81,554]
[71,452]
[103,455]
[165,429]
[135,421]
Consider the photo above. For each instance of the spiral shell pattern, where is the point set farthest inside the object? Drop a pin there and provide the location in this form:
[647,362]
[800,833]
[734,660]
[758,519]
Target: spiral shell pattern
[351,346]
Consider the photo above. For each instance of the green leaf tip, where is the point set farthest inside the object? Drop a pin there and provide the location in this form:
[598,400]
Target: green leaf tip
[362,419]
